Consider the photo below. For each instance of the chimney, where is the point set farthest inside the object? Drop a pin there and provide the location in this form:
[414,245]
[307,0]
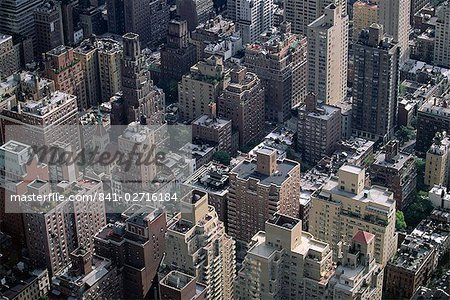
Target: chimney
[310,101]
[266,161]
[81,261]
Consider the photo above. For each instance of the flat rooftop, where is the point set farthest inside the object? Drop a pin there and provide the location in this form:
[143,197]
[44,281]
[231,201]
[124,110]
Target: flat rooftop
[207,121]
[247,170]
[4,38]
[14,147]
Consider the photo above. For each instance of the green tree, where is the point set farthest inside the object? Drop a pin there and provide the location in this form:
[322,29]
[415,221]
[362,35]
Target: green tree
[420,166]
[405,134]
[223,157]
[400,223]
[419,209]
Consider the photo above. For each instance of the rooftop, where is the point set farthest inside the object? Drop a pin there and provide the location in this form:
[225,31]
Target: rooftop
[14,147]
[47,105]
[207,121]
[5,38]
[212,177]
[412,254]
[324,112]
[247,170]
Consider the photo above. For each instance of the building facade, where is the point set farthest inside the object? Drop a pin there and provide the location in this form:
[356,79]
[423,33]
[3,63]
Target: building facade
[344,206]
[66,70]
[318,129]
[196,244]
[147,18]
[283,262]
[49,27]
[200,89]
[327,55]
[242,102]
[258,189]
[253,18]
[279,60]
[437,164]
[9,57]
[442,37]
[375,84]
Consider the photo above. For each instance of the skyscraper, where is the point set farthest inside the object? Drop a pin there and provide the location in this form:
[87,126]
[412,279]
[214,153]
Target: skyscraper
[284,263]
[9,58]
[301,13]
[135,244]
[67,72]
[394,16]
[147,18]
[194,12]
[253,18]
[327,55]
[375,83]
[242,102]
[442,37]
[177,54]
[201,87]
[343,206]
[279,60]
[16,17]
[258,189]
[116,16]
[365,13]
[141,97]
[49,26]
[196,244]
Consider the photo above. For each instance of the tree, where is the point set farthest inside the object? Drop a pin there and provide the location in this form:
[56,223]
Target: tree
[419,209]
[405,134]
[223,157]
[400,223]
[420,166]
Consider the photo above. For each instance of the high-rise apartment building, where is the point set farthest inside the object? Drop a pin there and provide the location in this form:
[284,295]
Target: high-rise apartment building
[196,244]
[327,55]
[395,170]
[343,206]
[9,56]
[110,53]
[358,274]
[279,60]
[66,71]
[49,27]
[394,16]
[258,189]
[44,121]
[318,129]
[365,13]
[101,61]
[86,54]
[135,245]
[194,12]
[142,99]
[285,263]
[116,16]
[242,102]
[375,84]
[180,286]
[139,139]
[212,31]
[177,54]
[54,230]
[442,36]
[16,17]
[301,13]
[147,18]
[437,164]
[200,89]
[209,128]
[253,18]
[432,117]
